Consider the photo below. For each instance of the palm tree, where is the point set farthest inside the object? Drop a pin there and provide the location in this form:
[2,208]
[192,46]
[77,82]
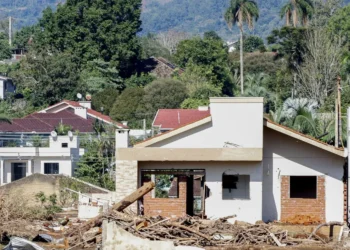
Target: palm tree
[240,12]
[297,9]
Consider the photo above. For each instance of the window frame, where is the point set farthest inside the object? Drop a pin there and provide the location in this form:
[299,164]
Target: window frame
[51,165]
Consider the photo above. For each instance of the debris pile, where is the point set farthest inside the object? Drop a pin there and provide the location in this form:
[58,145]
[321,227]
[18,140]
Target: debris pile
[188,231]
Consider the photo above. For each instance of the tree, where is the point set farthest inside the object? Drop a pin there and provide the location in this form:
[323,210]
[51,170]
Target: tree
[339,23]
[252,43]
[297,10]
[171,39]
[207,56]
[240,12]
[45,79]
[164,94]
[99,75]
[152,47]
[5,50]
[97,29]
[96,165]
[105,100]
[321,66]
[127,107]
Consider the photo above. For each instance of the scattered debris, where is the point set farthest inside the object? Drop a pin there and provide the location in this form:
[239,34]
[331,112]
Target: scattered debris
[17,243]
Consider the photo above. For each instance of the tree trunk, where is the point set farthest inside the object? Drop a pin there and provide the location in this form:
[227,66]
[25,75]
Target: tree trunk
[241,55]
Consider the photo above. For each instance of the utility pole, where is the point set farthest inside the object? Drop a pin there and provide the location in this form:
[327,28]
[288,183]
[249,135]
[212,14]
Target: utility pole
[144,129]
[339,110]
[338,123]
[348,170]
[10,31]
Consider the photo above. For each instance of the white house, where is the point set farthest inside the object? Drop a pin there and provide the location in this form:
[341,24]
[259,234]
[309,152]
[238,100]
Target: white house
[6,86]
[249,167]
[59,157]
[27,145]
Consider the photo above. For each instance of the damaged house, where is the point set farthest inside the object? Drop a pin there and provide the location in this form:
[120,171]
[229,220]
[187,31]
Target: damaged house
[238,163]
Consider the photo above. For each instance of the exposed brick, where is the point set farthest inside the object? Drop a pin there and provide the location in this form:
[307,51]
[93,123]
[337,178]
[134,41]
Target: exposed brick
[296,206]
[167,207]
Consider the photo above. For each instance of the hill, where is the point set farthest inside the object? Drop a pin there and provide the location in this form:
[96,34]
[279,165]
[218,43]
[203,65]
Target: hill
[194,16]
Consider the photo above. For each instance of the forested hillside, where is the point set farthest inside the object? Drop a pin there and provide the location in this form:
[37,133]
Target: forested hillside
[199,16]
[194,16]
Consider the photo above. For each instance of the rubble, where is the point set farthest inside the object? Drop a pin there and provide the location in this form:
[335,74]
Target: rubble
[183,232]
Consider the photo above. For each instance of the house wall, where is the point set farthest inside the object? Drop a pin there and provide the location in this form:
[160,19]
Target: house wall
[65,166]
[291,207]
[215,207]
[285,156]
[2,89]
[228,122]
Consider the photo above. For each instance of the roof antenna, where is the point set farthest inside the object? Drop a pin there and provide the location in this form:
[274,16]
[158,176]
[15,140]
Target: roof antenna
[79,96]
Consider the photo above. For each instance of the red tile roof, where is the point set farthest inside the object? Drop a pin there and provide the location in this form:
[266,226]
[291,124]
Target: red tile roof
[90,112]
[46,122]
[174,118]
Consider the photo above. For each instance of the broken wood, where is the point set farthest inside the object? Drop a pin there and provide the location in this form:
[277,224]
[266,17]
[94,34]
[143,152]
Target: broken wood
[331,223]
[277,241]
[130,199]
[190,230]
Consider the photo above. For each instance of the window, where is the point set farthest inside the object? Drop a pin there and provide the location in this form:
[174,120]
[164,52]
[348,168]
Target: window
[64,145]
[167,186]
[235,187]
[303,187]
[51,168]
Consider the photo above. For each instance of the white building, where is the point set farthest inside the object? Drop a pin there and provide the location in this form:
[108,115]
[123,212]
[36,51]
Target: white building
[250,167]
[6,86]
[59,157]
[27,146]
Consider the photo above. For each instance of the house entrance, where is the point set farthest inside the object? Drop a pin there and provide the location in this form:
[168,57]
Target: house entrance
[177,193]
[18,170]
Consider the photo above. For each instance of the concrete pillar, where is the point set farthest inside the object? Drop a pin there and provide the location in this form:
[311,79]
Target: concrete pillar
[29,168]
[2,165]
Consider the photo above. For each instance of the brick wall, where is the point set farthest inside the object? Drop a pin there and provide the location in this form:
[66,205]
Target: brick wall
[126,180]
[167,207]
[300,206]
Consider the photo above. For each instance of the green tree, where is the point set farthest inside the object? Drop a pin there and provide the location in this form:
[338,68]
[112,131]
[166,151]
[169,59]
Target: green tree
[240,12]
[252,43]
[99,75]
[297,10]
[96,165]
[339,23]
[127,107]
[103,101]
[94,29]
[164,94]
[5,50]
[24,37]
[209,56]
[47,78]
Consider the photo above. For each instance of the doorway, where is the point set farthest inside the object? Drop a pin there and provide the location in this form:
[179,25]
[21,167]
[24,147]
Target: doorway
[19,170]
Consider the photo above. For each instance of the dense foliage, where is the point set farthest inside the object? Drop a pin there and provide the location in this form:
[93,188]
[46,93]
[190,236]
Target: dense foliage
[92,47]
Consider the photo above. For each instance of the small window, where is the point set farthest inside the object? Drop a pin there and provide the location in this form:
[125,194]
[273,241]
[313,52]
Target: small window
[65,145]
[51,168]
[303,187]
[235,187]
